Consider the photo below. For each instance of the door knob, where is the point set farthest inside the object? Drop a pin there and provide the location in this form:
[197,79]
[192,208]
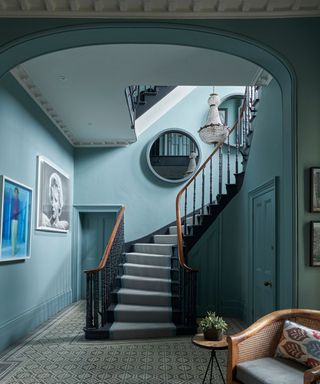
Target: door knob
[267,283]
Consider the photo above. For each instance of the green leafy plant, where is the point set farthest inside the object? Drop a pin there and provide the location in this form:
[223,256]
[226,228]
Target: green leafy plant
[213,321]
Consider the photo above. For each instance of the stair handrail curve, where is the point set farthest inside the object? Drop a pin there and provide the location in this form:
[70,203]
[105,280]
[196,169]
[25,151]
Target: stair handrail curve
[105,257]
[181,257]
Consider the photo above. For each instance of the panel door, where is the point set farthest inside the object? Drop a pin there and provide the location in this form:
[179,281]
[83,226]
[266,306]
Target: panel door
[264,253]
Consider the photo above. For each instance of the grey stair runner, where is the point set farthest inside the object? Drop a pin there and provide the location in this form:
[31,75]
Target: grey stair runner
[143,308]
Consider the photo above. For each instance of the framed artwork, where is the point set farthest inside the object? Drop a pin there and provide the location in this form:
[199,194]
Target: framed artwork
[223,112]
[53,197]
[315,244]
[315,189]
[15,220]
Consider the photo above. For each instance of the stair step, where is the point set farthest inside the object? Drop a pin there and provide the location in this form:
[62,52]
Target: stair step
[173,230]
[232,189]
[143,297]
[126,330]
[145,283]
[146,270]
[214,209]
[190,219]
[148,258]
[165,239]
[223,199]
[159,249]
[142,313]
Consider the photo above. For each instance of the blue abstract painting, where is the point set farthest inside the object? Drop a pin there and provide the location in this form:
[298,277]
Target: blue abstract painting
[16,203]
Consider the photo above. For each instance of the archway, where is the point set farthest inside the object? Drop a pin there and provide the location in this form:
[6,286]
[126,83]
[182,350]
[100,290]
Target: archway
[168,33]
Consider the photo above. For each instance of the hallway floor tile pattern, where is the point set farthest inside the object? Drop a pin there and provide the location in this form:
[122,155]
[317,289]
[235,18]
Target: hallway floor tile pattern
[57,353]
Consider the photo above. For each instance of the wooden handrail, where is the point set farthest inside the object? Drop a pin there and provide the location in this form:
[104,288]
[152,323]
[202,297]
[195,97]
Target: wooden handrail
[107,251]
[182,260]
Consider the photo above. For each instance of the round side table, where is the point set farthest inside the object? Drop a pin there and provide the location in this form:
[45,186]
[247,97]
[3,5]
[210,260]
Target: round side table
[213,346]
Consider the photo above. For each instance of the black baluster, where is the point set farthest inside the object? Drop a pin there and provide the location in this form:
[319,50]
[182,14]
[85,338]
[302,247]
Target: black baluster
[103,296]
[243,125]
[96,300]
[89,317]
[211,180]
[194,203]
[138,94]
[183,295]
[228,161]
[185,212]
[237,143]
[246,117]
[202,199]
[220,171]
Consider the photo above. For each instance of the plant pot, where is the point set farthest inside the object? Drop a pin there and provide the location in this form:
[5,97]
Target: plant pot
[213,334]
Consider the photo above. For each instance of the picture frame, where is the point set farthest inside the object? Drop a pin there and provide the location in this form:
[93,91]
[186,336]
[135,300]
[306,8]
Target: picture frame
[315,244]
[223,112]
[15,220]
[315,189]
[53,197]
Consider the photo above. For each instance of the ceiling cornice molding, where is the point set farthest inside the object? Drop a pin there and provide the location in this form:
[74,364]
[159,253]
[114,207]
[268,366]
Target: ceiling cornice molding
[161,9]
[24,79]
[262,78]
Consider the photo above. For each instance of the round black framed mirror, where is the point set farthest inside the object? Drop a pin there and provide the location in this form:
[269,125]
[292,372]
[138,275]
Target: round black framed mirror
[173,155]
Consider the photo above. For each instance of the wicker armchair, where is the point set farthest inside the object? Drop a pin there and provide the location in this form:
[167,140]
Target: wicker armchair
[261,339]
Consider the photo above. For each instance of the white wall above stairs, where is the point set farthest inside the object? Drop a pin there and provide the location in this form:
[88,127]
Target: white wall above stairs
[161,108]
[155,113]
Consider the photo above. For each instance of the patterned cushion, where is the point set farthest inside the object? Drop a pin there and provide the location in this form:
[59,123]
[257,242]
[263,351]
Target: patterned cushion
[299,343]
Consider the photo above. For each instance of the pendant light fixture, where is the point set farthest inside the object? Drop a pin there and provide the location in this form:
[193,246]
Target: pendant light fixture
[213,132]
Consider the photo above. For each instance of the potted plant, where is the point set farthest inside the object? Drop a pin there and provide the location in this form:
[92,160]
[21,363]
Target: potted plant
[213,326]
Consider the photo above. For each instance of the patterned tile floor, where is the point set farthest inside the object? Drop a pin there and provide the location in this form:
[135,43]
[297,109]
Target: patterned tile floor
[57,353]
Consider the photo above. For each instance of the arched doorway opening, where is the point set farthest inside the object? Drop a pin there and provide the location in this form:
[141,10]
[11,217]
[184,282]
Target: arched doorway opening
[144,33]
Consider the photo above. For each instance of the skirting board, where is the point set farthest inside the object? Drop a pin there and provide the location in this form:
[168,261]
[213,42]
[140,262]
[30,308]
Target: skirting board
[17,328]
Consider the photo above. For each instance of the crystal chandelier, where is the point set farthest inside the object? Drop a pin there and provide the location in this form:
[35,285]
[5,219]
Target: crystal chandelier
[213,132]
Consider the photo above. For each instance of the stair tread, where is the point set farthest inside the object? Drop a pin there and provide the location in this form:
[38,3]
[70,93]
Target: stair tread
[146,265]
[133,277]
[125,326]
[166,235]
[138,308]
[147,254]
[152,244]
[128,291]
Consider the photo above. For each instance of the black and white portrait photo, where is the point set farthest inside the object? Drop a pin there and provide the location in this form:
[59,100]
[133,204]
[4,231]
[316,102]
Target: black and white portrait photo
[53,197]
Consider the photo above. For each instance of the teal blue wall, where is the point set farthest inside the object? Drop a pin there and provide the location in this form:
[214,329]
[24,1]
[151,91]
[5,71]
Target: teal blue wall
[225,244]
[294,42]
[33,290]
[121,175]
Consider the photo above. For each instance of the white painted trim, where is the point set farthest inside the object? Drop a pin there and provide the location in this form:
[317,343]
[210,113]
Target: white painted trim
[212,15]
[23,78]
[262,78]
[161,108]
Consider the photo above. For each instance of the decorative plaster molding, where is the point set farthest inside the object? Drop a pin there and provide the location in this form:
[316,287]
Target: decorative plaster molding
[24,79]
[161,9]
[262,78]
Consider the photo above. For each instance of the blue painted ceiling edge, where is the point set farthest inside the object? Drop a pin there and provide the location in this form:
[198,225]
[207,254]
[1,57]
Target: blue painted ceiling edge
[50,40]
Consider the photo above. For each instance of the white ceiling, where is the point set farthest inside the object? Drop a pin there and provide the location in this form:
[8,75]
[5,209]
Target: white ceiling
[82,89]
[160,8]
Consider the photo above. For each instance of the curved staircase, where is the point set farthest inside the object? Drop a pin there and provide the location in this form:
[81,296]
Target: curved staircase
[149,290]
